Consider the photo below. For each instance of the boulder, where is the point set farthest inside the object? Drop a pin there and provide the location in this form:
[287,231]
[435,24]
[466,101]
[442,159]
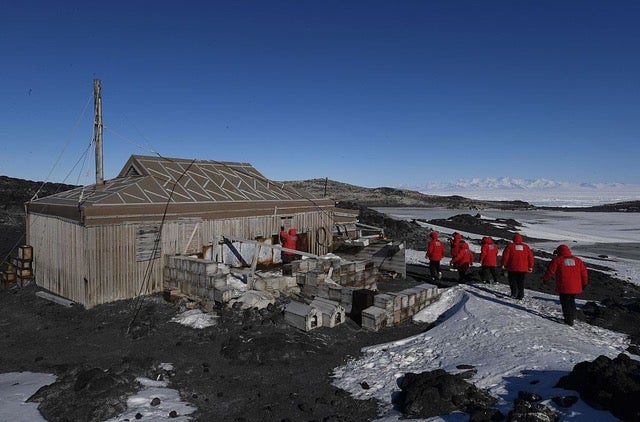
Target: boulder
[437,393]
[610,384]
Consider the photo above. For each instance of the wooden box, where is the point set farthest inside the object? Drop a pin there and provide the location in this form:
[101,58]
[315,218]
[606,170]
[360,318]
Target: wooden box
[25,253]
[374,318]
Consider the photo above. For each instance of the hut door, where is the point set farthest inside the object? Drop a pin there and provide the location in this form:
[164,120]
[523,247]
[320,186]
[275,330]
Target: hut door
[190,237]
[303,242]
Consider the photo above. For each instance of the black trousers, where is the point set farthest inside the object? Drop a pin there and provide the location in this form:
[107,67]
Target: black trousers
[434,269]
[568,303]
[516,283]
[492,270]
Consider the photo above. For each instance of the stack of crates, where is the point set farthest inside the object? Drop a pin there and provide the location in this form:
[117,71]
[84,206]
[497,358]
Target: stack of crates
[9,275]
[24,265]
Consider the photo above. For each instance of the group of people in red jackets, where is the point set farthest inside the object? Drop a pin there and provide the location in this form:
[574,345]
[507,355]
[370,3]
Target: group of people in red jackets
[517,260]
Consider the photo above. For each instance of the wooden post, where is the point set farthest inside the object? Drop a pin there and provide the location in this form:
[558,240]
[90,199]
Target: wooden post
[97,130]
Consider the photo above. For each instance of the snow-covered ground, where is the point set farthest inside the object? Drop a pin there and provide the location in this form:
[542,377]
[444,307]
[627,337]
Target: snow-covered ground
[510,343]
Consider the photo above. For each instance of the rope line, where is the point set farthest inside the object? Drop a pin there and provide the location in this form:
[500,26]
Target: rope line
[147,273]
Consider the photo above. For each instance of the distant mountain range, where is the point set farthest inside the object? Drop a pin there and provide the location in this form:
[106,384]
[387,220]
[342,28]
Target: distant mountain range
[511,183]
[539,192]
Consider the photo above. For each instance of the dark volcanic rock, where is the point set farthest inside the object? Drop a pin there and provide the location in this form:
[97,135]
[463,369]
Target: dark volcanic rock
[13,195]
[437,393]
[91,394]
[394,197]
[526,411]
[611,384]
[615,313]
[414,236]
[498,228]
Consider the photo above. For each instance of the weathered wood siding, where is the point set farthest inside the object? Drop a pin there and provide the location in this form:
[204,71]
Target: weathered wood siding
[58,255]
[100,264]
[315,224]
[91,265]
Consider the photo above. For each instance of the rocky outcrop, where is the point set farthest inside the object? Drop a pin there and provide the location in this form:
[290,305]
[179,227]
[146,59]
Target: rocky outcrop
[610,384]
[437,393]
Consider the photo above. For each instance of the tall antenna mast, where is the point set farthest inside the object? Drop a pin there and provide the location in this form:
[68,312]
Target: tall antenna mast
[97,130]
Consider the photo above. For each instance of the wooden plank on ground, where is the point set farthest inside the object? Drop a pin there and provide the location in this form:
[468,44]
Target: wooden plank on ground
[57,299]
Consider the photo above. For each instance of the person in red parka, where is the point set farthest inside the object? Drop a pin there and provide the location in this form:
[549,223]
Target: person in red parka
[463,260]
[435,253]
[290,241]
[517,260]
[454,242]
[571,277]
[488,260]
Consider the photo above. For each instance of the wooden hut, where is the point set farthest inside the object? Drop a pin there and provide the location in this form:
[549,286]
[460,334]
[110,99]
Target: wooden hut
[105,242]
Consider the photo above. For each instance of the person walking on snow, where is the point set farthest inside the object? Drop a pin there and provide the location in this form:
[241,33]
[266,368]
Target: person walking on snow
[463,260]
[435,253]
[571,277]
[517,260]
[454,242]
[488,260]
[290,241]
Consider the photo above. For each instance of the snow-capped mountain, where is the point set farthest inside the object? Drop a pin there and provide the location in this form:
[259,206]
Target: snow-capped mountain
[540,192]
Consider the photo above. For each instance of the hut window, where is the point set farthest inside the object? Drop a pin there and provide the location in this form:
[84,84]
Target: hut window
[132,172]
[148,242]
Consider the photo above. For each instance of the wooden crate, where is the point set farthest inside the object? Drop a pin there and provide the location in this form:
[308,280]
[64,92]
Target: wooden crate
[431,291]
[346,298]
[24,273]
[22,263]
[322,290]
[384,301]
[335,292]
[25,253]
[374,318]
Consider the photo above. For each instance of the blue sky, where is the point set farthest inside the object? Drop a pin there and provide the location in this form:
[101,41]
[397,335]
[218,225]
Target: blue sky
[373,93]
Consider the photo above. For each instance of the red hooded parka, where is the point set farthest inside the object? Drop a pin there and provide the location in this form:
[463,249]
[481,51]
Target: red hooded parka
[517,256]
[570,272]
[455,244]
[289,240]
[488,253]
[464,259]
[435,250]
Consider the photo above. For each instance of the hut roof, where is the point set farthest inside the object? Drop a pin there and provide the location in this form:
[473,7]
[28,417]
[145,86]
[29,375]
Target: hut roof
[148,188]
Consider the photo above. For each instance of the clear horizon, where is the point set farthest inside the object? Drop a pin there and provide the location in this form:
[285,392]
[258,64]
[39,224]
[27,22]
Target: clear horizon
[371,93]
